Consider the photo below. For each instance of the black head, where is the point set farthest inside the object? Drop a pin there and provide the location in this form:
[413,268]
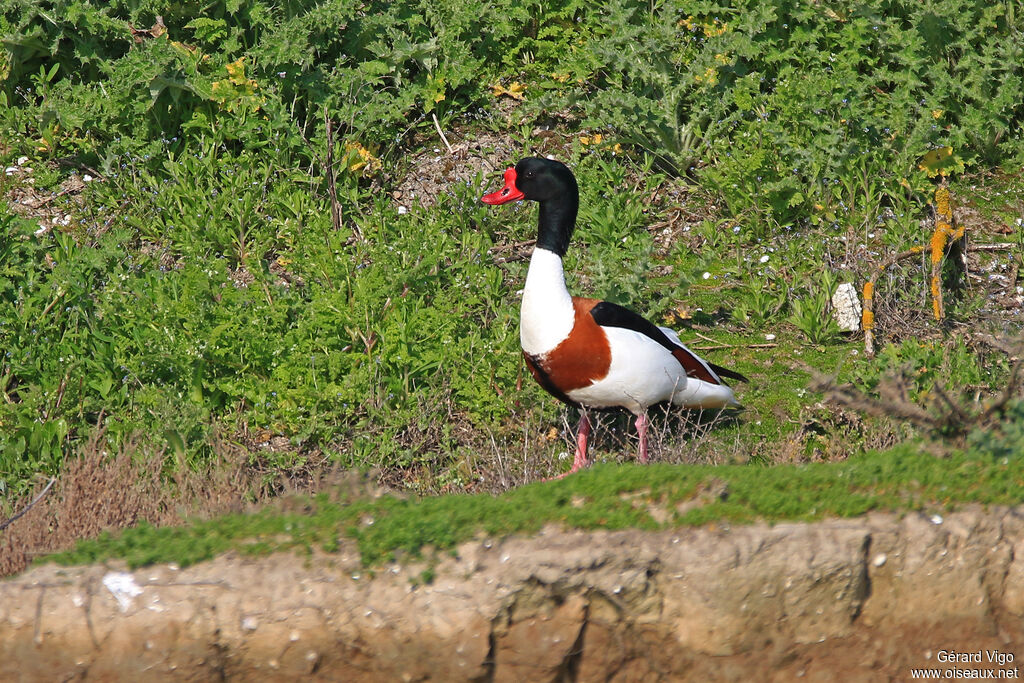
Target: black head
[538,179]
[553,185]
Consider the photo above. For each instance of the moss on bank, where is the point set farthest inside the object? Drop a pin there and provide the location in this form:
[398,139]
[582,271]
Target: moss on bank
[605,496]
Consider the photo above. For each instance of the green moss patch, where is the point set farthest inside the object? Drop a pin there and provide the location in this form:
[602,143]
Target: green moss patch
[603,497]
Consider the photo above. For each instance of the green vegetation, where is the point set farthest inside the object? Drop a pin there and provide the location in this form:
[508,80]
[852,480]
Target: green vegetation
[239,270]
[605,497]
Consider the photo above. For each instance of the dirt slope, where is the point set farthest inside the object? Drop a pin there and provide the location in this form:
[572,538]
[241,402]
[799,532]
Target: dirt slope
[863,599]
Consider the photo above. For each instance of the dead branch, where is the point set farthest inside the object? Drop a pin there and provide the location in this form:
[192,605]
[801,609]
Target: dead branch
[867,319]
[437,125]
[719,347]
[948,416]
[889,404]
[946,238]
[947,241]
[4,525]
[995,246]
[1009,391]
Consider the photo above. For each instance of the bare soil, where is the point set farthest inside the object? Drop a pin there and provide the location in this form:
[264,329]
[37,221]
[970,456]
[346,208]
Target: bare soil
[854,600]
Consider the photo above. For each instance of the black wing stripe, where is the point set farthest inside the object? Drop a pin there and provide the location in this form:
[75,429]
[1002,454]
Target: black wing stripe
[725,372]
[613,315]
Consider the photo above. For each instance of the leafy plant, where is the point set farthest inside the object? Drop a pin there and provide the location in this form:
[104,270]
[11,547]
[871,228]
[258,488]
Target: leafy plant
[812,311]
[761,302]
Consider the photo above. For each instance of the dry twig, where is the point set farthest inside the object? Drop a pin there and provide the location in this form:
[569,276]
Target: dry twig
[4,525]
[867,319]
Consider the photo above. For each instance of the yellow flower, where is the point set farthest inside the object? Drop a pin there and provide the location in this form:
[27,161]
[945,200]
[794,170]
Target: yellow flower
[713,29]
[515,90]
[360,158]
[937,113]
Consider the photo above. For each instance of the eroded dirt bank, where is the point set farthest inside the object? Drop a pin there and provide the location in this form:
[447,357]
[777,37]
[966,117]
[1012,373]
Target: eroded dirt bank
[864,599]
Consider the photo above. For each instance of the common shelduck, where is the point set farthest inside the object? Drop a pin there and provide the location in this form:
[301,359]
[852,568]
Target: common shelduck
[587,352]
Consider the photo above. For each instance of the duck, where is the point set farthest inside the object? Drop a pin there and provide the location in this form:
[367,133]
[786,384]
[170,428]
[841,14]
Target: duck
[589,353]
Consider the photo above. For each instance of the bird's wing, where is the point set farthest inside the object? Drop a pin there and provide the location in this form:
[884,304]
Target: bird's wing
[608,314]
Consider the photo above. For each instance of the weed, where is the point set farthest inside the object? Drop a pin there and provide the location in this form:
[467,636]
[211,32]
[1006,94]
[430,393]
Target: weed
[812,311]
[761,302]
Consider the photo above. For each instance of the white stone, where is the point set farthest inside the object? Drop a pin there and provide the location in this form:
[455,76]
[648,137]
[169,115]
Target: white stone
[847,307]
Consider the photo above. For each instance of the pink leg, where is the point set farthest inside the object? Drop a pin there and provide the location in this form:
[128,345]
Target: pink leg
[641,430]
[582,432]
[580,460]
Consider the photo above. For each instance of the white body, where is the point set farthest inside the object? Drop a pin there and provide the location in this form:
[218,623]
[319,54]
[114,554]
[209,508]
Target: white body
[547,314]
[642,372]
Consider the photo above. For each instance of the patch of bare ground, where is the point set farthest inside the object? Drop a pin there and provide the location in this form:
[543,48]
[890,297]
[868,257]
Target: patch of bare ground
[51,208]
[856,600]
[436,170]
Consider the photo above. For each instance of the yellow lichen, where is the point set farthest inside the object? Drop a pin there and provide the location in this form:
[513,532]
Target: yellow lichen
[942,204]
[867,319]
[936,297]
[869,291]
[938,243]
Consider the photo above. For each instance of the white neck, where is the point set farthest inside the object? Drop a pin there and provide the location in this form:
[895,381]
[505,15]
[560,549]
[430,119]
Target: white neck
[547,312]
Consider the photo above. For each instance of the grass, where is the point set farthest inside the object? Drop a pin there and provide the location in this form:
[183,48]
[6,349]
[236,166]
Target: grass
[603,497]
[212,249]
